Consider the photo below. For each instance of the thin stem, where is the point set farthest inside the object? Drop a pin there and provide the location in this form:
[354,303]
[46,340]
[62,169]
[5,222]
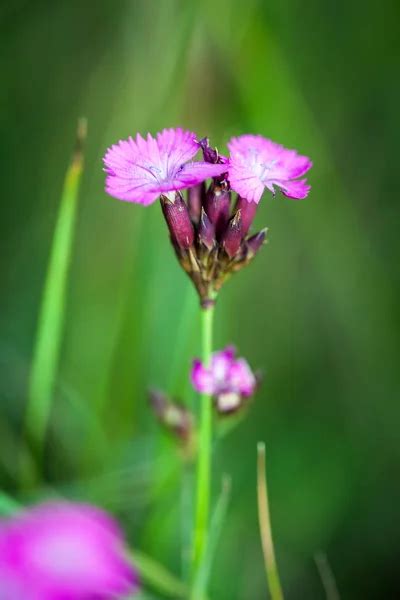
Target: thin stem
[204,456]
[199,585]
[271,568]
[327,576]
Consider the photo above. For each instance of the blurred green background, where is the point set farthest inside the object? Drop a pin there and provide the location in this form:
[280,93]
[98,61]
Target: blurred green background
[316,311]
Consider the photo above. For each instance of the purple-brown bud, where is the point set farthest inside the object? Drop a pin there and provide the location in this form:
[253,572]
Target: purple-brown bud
[196,195]
[175,417]
[233,235]
[210,154]
[206,231]
[178,220]
[255,242]
[217,206]
[248,212]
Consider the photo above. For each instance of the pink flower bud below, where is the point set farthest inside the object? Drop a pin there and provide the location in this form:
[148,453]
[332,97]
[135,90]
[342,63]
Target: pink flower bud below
[196,195]
[255,242]
[225,374]
[177,217]
[206,231]
[233,235]
[217,206]
[248,212]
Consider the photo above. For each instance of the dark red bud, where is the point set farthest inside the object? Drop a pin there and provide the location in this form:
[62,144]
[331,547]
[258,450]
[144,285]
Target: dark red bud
[217,206]
[210,154]
[178,220]
[206,231]
[233,235]
[196,195]
[248,211]
[255,242]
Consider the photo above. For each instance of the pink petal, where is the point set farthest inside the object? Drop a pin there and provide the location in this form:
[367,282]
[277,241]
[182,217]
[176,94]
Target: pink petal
[246,145]
[244,182]
[178,144]
[202,379]
[196,172]
[241,378]
[257,162]
[297,190]
[140,170]
[220,366]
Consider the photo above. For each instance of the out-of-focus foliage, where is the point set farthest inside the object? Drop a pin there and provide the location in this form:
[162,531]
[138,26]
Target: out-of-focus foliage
[317,309]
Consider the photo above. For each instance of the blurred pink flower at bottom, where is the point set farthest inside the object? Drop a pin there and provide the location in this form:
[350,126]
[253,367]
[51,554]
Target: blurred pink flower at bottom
[63,551]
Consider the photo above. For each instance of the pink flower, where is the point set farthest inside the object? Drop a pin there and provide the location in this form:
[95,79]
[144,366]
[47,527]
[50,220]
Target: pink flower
[257,163]
[141,170]
[63,551]
[227,378]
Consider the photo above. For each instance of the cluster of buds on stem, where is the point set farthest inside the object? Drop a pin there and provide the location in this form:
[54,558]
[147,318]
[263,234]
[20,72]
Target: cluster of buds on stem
[210,239]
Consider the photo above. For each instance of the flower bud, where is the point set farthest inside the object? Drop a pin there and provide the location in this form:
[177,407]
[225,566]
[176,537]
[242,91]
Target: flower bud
[175,417]
[255,242]
[247,211]
[195,200]
[206,231]
[217,206]
[177,217]
[210,154]
[233,235]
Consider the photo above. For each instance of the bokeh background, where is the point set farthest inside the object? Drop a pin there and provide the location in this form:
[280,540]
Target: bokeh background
[316,311]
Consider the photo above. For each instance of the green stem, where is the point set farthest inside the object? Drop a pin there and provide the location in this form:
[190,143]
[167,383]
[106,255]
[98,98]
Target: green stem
[204,455]
[271,568]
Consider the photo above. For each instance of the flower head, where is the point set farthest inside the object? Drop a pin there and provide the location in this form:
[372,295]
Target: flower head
[257,163]
[63,551]
[227,378]
[141,170]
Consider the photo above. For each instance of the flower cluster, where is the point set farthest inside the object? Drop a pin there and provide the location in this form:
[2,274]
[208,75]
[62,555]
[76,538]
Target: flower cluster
[63,551]
[210,236]
[228,379]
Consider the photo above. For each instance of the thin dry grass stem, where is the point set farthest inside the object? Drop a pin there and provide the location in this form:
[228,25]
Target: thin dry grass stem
[271,568]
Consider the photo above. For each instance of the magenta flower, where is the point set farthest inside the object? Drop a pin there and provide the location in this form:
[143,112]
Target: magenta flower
[227,378]
[63,551]
[141,170]
[257,163]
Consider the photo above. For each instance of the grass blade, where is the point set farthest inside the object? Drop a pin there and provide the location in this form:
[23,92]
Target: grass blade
[271,568]
[327,576]
[51,318]
[158,577]
[200,584]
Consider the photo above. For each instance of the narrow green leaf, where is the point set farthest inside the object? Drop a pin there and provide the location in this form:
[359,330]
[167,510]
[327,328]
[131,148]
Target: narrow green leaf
[201,582]
[158,577]
[52,311]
